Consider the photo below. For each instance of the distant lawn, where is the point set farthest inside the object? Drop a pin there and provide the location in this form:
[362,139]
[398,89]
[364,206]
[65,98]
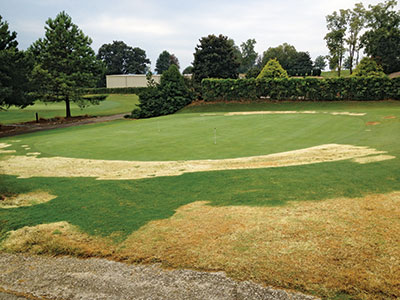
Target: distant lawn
[114,104]
[333,74]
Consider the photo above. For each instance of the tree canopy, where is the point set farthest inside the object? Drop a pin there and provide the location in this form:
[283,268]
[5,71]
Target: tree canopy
[215,57]
[336,38]
[15,68]
[165,60]
[294,62]
[248,55]
[64,63]
[382,39]
[120,58]
[320,62]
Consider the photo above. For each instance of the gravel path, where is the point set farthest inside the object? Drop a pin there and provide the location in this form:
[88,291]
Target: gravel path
[40,277]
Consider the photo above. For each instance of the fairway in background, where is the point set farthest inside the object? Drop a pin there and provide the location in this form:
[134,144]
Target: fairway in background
[114,104]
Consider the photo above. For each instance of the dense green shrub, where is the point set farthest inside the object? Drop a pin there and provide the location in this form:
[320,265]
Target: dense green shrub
[253,72]
[350,88]
[368,67]
[166,98]
[316,72]
[272,69]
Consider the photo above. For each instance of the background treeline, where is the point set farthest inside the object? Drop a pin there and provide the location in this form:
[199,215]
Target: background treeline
[349,88]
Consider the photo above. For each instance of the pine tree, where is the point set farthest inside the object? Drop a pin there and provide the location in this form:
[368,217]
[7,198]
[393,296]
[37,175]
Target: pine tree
[64,64]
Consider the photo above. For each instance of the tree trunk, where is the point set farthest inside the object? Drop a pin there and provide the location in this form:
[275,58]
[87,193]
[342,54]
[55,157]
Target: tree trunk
[67,107]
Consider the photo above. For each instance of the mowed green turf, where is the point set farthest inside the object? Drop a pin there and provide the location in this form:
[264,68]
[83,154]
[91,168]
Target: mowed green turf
[114,104]
[103,207]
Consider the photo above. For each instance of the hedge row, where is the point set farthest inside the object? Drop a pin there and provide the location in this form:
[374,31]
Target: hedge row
[349,88]
[130,90]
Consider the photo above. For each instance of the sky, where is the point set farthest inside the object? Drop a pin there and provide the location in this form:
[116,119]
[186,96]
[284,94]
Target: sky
[177,25]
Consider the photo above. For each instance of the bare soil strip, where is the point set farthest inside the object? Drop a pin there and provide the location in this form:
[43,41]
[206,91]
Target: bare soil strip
[32,166]
[72,278]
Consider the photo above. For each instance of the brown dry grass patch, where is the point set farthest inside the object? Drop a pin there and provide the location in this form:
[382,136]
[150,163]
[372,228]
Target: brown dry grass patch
[284,112]
[372,123]
[327,247]
[4,145]
[389,117]
[350,245]
[32,166]
[28,199]
[59,238]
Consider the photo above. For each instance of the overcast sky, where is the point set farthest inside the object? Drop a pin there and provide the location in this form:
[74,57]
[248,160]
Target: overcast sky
[177,25]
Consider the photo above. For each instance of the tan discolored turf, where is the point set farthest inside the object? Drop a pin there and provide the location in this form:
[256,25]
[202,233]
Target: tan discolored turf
[60,238]
[4,145]
[331,246]
[32,166]
[328,246]
[28,199]
[284,112]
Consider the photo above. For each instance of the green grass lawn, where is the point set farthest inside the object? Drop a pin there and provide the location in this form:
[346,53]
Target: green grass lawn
[190,135]
[333,74]
[114,104]
[104,207]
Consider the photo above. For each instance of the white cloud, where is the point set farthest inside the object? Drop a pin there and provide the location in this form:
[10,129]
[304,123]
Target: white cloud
[121,25]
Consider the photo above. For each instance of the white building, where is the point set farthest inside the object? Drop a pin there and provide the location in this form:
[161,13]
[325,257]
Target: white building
[123,81]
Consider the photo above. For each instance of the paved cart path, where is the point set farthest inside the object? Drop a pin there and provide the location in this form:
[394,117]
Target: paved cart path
[41,277]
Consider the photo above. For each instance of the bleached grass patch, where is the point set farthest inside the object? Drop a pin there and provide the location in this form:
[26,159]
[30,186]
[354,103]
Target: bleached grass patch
[330,246]
[28,199]
[32,166]
[4,145]
[284,112]
[60,238]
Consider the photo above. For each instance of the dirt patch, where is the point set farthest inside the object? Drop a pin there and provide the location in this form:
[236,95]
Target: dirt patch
[332,246]
[389,117]
[4,145]
[27,199]
[372,123]
[32,166]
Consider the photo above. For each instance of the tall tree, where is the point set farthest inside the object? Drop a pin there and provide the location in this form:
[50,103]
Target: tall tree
[356,22]
[295,63]
[336,37]
[120,58]
[215,57]
[248,55]
[165,60]
[285,54]
[382,40]
[15,68]
[64,64]
[320,62]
